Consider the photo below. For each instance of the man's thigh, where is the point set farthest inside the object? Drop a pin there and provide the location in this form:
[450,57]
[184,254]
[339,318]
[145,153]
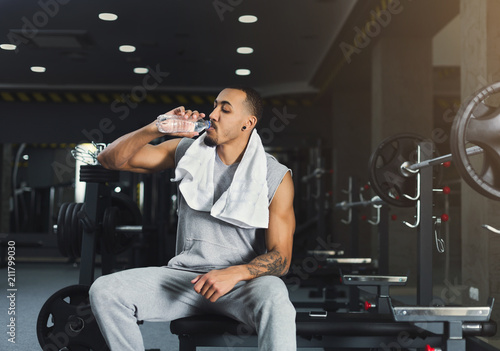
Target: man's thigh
[155,293]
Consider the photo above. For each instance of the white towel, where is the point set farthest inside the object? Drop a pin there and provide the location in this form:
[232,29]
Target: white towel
[245,202]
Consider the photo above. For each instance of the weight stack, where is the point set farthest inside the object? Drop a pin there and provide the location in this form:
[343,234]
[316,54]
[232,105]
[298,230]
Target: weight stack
[98,174]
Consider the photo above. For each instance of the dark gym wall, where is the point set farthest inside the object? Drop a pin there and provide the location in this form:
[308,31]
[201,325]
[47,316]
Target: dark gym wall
[352,143]
[74,123]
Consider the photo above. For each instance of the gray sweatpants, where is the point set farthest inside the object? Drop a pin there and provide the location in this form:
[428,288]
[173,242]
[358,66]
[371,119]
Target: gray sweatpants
[120,299]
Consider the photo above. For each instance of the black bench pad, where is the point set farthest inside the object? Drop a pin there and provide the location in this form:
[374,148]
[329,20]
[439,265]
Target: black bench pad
[335,324]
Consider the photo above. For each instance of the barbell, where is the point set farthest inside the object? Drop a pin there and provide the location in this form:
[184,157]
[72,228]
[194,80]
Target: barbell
[475,131]
[389,175]
[344,205]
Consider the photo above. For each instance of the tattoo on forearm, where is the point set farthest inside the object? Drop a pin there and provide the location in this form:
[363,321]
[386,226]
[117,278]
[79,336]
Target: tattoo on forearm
[271,263]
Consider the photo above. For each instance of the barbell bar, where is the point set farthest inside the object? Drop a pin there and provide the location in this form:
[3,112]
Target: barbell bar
[123,229]
[344,205]
[471,151]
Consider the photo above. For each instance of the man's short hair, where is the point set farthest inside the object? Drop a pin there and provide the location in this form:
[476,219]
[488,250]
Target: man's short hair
[253,99]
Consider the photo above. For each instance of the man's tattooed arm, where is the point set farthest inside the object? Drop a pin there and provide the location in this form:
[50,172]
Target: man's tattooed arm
[271,263]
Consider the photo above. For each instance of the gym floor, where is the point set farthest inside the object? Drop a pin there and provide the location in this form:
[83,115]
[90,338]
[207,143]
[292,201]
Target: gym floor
[36,282]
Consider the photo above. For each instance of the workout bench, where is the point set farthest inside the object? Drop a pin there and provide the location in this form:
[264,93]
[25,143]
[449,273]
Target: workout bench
[335,330]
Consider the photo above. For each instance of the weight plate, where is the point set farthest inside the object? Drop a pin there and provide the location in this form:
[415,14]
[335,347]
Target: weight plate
[387,178]
[66,322]
[61,235]
[478,123]
[131,213]
[128,214]
[110,237]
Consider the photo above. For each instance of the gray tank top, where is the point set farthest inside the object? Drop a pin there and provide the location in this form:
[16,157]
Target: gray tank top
[205,243]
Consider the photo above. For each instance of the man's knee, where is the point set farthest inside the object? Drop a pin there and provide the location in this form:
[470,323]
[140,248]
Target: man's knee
[102,290]
[274,294]
[271,286]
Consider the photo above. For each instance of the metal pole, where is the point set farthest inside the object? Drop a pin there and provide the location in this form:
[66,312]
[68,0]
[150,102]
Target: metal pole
[95,203]
[355,221]
[474,150]
[374,201]
[383,237]
[425,231]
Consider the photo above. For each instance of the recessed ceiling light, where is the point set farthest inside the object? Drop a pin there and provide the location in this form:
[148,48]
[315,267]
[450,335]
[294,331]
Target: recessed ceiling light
[106,16]
[247,19]
[38,69]
[127,48]
[8,47]
[242,72]
[141,70]
[244,50]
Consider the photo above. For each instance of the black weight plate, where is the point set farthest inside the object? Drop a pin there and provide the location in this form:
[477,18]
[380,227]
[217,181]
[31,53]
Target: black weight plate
[68,229]
[129,214]
[385,173]
[61,235]
[478,123]
[110,237]
[66,322]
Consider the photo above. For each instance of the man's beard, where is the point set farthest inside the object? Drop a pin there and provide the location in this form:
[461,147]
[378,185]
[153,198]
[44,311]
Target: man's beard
[210,141]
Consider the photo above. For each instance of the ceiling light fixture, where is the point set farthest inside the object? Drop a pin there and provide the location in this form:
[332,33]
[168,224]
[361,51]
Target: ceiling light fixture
[242,72]
[141,70]
[8,47]
[247,19]
[127,48]
[38,69]
[244,50]
[106,16]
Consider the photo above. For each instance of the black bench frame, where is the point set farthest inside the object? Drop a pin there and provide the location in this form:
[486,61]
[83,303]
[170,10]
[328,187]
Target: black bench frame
[352,330]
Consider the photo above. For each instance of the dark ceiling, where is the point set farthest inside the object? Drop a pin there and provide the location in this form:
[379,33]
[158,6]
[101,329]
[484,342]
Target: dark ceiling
[190,44]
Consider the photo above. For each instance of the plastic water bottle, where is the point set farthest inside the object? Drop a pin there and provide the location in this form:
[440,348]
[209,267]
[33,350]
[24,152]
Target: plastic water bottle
[167,123]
